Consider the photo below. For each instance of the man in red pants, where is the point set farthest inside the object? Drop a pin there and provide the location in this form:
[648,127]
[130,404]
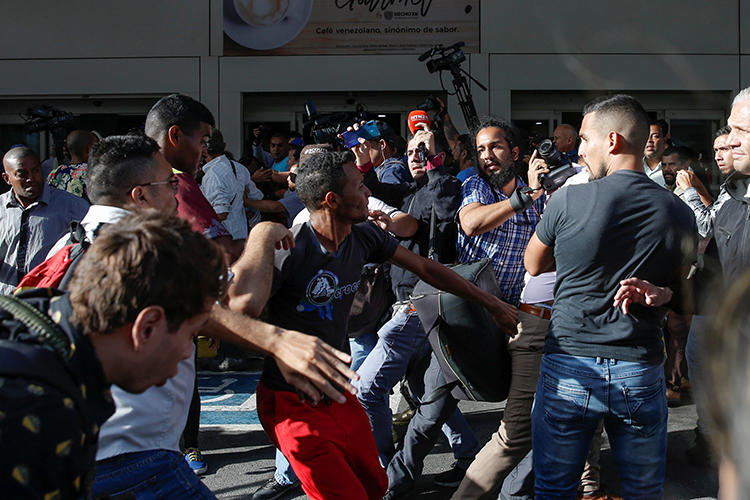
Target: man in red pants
[330,445]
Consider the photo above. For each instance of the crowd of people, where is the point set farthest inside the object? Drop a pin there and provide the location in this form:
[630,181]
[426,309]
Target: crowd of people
[607,295]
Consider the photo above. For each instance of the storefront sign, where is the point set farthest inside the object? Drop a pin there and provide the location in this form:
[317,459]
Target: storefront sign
[326,27]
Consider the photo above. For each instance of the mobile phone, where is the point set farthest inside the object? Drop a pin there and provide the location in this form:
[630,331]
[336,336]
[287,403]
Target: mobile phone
[351,138]
[369,130]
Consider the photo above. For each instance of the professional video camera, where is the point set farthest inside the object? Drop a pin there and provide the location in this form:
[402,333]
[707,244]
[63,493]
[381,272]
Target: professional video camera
[327,128]
[450,59]
[561,168]
[47,118]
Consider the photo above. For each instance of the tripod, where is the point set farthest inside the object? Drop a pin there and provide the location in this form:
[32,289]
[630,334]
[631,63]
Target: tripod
[463,94]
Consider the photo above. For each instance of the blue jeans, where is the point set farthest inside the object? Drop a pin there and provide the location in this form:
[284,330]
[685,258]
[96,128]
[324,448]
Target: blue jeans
[398,340]
[360,347]
[148,475]
[284,474]
[573,394]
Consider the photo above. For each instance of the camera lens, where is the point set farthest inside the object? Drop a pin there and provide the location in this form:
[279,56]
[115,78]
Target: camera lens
[546,149]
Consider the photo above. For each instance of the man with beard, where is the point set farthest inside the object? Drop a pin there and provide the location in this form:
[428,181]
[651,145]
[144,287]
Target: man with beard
[493,226]
[678,159]
[491,223]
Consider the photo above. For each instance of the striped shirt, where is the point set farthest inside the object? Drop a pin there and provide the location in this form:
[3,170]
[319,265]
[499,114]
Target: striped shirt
[503,245]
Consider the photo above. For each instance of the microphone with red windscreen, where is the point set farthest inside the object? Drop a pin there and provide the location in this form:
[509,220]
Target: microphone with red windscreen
[416,117]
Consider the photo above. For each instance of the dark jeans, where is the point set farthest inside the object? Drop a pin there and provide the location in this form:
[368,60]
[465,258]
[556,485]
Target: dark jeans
[192,425]
[422,433]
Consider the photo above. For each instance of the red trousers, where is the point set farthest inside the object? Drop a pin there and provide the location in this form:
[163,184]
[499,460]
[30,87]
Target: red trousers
[330,447]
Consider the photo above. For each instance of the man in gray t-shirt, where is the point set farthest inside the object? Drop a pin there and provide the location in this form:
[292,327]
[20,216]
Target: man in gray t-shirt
[618,244]
[330,446]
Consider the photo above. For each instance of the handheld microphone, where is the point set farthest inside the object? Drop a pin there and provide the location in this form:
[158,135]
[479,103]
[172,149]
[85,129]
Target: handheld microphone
[416,117]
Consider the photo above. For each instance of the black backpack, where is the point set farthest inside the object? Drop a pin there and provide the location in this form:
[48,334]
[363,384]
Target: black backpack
[471,349]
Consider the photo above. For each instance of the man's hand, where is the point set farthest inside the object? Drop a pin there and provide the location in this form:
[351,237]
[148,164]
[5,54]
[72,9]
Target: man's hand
[257,132]
[380,218]
[273,231]
[638,291]
[537,167]
[262,175]
[362,150]
[313,367]
[425,135]
[686,179]
[505,316]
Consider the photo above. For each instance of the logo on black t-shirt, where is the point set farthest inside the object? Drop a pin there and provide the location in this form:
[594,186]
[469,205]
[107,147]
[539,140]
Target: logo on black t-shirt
[322,288]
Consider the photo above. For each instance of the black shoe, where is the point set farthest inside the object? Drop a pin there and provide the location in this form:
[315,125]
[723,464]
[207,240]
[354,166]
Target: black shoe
[272,490]
[392,495]
[450,478]
[700,453]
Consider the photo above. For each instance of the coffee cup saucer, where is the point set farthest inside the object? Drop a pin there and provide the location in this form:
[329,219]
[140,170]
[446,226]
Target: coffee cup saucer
[267,37]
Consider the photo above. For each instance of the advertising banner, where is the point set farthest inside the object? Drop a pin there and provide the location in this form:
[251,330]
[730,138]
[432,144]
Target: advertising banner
[328,27]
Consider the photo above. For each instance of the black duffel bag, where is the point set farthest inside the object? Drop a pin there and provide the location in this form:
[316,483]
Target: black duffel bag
[470,347]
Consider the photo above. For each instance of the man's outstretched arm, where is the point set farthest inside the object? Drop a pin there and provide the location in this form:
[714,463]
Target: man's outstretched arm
[442,277]
[253,271]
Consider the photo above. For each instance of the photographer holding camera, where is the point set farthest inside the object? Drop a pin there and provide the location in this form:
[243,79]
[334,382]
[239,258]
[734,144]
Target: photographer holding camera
[503,455]
[497,216]
[499,211]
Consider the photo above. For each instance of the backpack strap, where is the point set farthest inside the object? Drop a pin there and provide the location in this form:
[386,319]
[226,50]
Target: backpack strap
[77,250]
[77,232]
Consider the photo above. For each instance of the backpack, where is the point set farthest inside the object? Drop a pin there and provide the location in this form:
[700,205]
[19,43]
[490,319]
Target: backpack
[56,271]
[34,347]
[471,349]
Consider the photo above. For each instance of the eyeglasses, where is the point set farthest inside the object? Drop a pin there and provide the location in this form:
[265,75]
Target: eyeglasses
[173,181]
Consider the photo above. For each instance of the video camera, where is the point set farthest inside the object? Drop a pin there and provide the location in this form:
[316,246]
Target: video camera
[45,117]
[449,58]
[327,128]
[561,168]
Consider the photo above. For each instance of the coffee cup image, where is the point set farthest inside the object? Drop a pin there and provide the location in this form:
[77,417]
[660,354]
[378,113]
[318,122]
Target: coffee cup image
[260,13]
[265,24]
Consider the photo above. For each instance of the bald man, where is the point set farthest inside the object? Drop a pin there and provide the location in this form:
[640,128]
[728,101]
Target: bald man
[564,138]
[33,216]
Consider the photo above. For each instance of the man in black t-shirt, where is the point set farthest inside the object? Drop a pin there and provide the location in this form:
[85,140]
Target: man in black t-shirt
[330,446]
[620,240]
